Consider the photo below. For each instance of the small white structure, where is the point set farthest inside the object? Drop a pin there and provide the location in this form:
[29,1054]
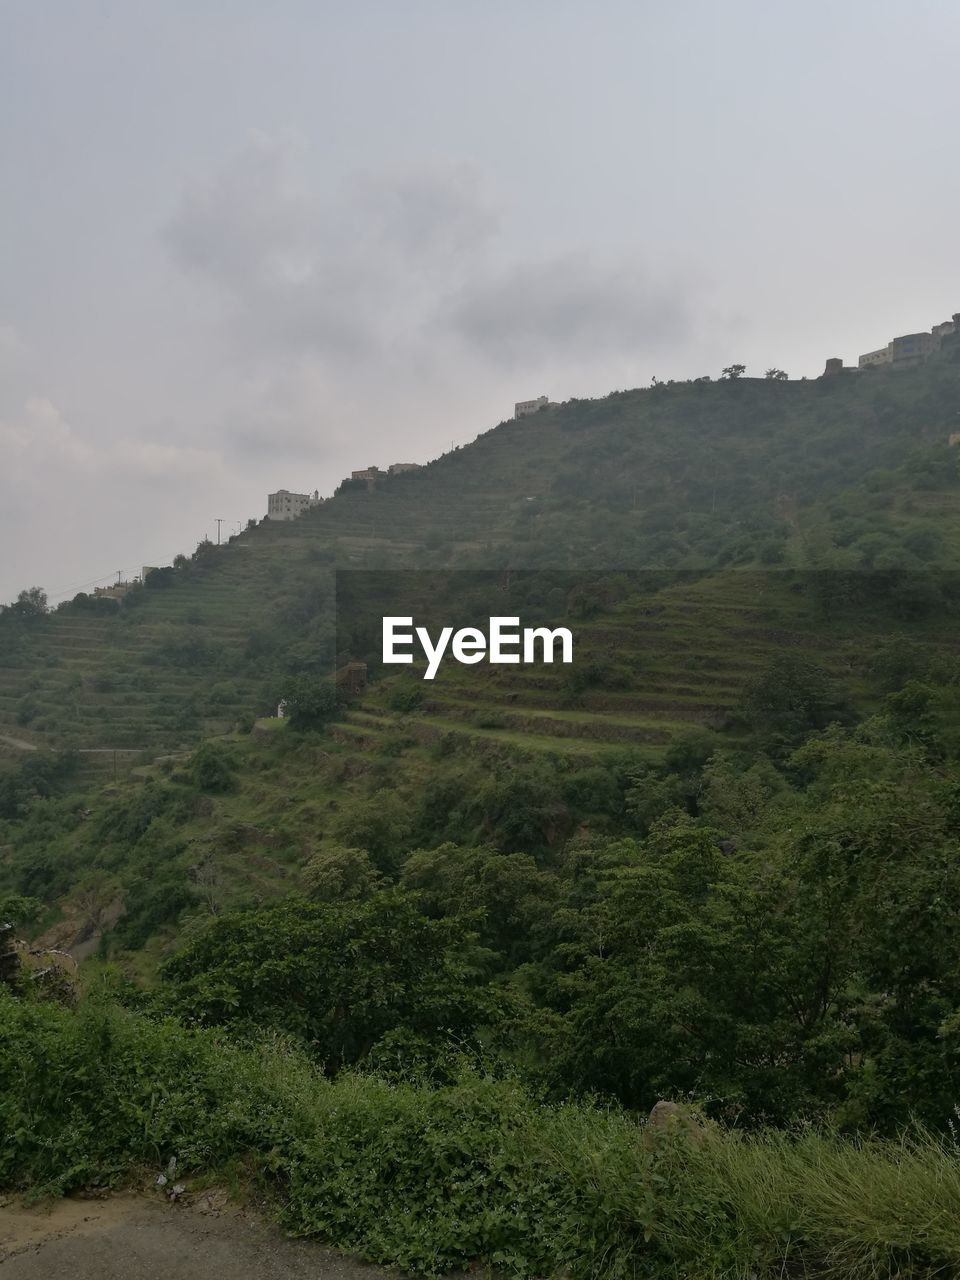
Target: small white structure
[281,708]
[284,505]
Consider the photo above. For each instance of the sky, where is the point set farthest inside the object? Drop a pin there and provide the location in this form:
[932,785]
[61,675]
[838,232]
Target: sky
[249,246]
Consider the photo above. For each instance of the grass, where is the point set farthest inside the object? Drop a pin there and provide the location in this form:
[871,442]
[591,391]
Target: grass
[432,1179]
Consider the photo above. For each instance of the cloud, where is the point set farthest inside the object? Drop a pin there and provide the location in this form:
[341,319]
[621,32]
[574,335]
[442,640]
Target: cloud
[570,306]
[394,286]
[38,436]
[393,264]
[144,459]
[338,277]
[40,448]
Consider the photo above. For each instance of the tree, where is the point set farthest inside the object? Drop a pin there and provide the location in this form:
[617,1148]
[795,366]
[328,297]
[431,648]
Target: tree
[311,701]
[339,873]
[733,371]
[776,375]
[212,769]
[30,603]
[14,910]
[337,975]
[791,697]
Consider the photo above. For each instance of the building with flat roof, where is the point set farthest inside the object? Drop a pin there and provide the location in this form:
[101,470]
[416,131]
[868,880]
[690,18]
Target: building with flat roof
[525,407]
[284,505]
[910,348]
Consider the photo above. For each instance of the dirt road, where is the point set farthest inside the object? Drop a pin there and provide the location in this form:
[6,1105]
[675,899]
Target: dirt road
[136,1238]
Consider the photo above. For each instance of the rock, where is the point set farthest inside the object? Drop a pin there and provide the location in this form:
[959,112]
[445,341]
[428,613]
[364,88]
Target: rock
[672,1118]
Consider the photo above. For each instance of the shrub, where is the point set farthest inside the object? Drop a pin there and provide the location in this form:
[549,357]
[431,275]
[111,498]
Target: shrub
[432,1179]
[212,770]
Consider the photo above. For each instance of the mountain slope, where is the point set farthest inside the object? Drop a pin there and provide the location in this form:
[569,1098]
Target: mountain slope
[680,476]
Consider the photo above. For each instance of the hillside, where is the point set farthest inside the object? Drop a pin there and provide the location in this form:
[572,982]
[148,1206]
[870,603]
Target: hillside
[833,542]
[392,949]
[846,473]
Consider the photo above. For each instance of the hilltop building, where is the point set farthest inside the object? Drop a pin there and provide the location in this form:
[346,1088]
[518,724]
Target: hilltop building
[910,349]
[523,408]
[370,474]
[836,366]
[116,591]
[284,505]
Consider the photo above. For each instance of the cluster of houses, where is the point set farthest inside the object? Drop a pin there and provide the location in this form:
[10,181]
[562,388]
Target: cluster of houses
[905,352]
[284,505]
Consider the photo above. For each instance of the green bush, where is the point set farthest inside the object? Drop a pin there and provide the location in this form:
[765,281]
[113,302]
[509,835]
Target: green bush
[435,1179]
[212,769]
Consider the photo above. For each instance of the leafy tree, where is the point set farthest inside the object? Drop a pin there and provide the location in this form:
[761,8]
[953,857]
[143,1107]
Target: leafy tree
[515,897]
[311,701]
[733,371]
[338,873]
[212,769]
[791,697]
[30,604]
[382,825]
[776,375]
[14,909]
[338,976]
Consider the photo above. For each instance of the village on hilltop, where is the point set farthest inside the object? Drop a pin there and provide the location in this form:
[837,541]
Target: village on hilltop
[905,352]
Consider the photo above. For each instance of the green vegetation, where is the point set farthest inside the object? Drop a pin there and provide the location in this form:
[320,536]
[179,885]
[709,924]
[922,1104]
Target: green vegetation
[842,474]
[418,957]
[476,1170]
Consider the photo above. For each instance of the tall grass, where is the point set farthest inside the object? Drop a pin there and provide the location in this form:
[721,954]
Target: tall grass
[433,1179]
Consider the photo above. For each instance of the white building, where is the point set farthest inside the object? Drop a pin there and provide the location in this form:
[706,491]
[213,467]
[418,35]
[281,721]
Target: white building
[524,407]
[873,358]
[284,505]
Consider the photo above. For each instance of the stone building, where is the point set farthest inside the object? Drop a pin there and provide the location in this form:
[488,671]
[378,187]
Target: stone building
[370,474]
[116,591]
[399,468]
[911,348]
[525,407]
[284,505]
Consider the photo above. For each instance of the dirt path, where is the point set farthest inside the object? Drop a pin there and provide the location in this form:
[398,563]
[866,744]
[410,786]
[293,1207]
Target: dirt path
[19,743]
[138,1238]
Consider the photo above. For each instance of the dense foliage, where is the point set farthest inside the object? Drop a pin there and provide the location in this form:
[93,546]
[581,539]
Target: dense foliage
[474,1171]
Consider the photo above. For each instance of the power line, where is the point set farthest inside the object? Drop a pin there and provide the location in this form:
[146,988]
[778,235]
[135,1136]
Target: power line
[80,586]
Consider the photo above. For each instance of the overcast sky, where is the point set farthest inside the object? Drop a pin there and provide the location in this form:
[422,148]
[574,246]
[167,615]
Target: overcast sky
[246,246]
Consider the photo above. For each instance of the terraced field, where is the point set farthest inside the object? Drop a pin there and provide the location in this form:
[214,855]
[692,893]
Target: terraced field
[662,669]
[671,478]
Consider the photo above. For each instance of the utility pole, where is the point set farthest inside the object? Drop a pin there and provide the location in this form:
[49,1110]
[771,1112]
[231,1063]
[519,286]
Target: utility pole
[119,576]
[220,520]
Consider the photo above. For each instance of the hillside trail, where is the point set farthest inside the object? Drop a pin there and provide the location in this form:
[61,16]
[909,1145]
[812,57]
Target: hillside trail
[134,1237]
[19,743]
